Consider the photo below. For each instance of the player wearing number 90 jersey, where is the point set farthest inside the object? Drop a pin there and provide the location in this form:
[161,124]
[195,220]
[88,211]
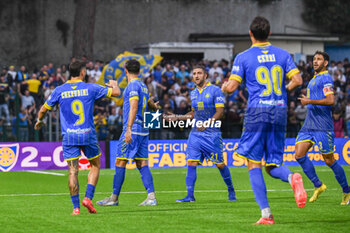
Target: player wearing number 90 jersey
[263,68]
[76,99]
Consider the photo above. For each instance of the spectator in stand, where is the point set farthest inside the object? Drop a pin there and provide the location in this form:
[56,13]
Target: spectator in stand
[50,69]
[151,89]
[100,125]
[214,69]
[189,83]
[167,101]
[28,102]
[225,68]
[347,114]
[44,75]
[33,88]
[332,69]
[157,73]
[61,79]
[4,96]
[168,71]
[48,91]
[12,72]
[182,74]
[23,134]
[339,125]
[65,72]
[292,124]
[89,68]
[300,112]
[163,87]
[113,124]
[95,73]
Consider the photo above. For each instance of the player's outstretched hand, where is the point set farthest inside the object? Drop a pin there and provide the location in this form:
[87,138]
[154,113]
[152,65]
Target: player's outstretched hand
[128,138]
[304,100]
[38,125]
[224,86]
[156,105]
[112,83]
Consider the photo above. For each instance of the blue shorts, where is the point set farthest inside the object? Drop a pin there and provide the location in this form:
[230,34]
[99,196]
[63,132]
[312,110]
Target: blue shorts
[136,150]
[262,140]
[324,139]
[205,146]
[71,152]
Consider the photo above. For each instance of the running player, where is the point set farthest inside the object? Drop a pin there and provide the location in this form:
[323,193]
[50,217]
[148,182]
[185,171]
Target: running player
[318,128]
[263,67]
[205,143]
[133,143]
[76,100]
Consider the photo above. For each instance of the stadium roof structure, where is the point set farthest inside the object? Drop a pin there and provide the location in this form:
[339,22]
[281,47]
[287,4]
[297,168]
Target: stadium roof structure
[213,37]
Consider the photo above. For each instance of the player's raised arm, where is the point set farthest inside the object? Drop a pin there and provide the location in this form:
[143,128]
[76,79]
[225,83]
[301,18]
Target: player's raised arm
[295,81]
[230,86]
[48,105]
[115,88]
[41,115]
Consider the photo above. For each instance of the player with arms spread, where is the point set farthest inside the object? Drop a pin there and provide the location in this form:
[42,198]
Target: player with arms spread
[76,99]
[263,67]
[133,143]
[318,128]
[205,143]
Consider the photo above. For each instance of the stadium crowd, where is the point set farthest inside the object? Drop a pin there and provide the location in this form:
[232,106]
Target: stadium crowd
[23,91]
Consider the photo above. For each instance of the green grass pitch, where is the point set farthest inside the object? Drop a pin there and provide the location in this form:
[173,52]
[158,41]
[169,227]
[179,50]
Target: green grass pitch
[50,210]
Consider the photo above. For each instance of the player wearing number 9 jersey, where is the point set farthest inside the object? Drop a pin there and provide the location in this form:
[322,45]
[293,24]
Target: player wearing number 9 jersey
[76,100]
[263,68]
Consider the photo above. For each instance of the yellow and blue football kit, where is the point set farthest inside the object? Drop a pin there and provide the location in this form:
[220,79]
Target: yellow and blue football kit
[263,69]
[76,100]
[138,149]
[318,125]
[208,143]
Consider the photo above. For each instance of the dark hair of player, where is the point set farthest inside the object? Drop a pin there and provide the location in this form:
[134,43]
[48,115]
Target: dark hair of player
[75,68]
[260,27]
[324,54]
[201,67]
[132,66]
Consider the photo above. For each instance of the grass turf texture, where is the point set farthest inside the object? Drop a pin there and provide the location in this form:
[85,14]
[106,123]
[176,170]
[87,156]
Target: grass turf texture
[210,213]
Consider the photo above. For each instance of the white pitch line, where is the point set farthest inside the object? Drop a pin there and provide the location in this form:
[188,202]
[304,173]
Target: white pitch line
[46,173]
[142,192]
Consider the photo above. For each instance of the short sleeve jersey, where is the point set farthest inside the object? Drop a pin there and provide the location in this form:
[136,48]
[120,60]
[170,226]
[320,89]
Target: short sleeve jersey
[319,117]
[204,102]
[136,90]
[263,68]
[76,100]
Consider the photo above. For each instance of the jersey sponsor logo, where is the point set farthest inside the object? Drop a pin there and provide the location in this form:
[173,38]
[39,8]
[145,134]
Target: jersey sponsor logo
[152,120]
[8,156]
[207,95]
[272,102]
[79,131]
[266,58]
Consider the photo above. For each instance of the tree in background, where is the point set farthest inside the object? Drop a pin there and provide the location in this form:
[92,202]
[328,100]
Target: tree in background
[332,15]
[84,23]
